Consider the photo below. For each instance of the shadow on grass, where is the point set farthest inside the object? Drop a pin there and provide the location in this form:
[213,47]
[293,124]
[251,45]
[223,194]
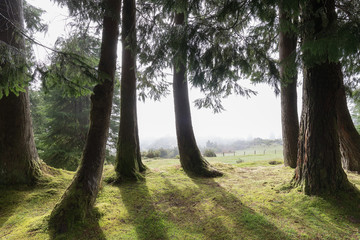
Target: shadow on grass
[89,230]
[149,223]
[10,199]
[211,211]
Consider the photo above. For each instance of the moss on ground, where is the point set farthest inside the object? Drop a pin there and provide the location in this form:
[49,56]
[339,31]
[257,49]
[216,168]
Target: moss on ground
[253,200]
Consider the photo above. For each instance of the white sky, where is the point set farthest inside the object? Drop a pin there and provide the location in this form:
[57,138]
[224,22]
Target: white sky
[258,116]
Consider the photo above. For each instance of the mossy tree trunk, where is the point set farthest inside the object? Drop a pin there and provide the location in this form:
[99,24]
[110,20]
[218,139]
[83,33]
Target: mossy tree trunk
[190,157]
[128,158]
[19,161]
[349,136]
[78,200]
[319,163]
[288,74]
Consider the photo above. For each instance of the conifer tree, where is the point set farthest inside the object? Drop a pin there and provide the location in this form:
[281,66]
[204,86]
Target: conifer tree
[190,156]
[78,200]
[19,161]
[319,163]
[128,158]
[288,78]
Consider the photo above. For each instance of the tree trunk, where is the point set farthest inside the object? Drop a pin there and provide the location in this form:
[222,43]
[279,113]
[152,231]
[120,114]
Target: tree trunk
[288,75]
[142,167]
[348,135]
[128,158]
[319,164]
[19,161]
[190,157]
[78,200]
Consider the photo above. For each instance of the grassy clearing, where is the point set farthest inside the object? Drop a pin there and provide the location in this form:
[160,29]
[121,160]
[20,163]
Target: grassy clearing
[252,201]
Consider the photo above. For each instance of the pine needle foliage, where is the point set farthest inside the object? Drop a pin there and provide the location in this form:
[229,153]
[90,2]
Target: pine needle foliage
[15,64]
[226,41]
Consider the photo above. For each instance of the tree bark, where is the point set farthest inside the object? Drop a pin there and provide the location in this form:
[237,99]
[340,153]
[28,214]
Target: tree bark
[319,164]
[128,158]
[19,161]
[288,75]
[78,200]
[190,157]
[348,135]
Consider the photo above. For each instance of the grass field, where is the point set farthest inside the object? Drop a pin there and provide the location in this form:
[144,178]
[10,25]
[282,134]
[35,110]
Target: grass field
[252,201]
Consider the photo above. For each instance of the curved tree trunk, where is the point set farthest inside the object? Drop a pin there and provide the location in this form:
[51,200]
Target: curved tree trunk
[78,200]
[319,163]
[128,158]
[348,135]
[19,161]
[288,75]
[190,157]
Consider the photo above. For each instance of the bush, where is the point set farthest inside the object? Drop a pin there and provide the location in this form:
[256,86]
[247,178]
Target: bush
[209,153]
[152,154]
[239,160]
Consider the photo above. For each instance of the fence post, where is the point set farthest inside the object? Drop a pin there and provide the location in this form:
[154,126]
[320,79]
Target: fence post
[223,154]
[255,152]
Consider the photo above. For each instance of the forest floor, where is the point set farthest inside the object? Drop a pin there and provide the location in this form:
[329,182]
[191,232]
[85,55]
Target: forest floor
[253,200]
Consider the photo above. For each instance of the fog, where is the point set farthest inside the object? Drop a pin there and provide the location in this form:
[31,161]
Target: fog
[243,118]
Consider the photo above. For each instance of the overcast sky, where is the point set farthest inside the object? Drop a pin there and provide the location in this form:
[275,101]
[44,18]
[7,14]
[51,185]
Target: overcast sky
[258,116]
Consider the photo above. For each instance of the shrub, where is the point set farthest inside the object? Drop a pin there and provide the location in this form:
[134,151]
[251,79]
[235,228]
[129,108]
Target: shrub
[152,154]
[239,160]
[209,153]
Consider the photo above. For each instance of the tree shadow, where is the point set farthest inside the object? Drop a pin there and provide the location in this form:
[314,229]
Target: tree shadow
[345,204]
[89,229]
[140,206]
[221,215]
[10,199]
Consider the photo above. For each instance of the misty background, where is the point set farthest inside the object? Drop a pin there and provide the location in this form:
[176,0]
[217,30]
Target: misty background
[244,119]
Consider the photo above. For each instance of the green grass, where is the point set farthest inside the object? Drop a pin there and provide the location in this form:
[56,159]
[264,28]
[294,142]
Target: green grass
[252,201]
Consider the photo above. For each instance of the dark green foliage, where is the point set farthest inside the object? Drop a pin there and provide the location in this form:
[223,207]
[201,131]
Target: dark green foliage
[218,54]
[65,130]
[84,10]
[13,62]
[209,153]
[73,68]
[161,153]
[12,68]
[33,21]
[152,153]
[61,109]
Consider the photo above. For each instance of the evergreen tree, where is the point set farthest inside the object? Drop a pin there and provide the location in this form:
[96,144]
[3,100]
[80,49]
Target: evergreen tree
[349,136]
[319,165]
[128,158]
[19,161]
[65,131]
[78,200]
[288,78]
[349,38]
[190,156]
[66,103]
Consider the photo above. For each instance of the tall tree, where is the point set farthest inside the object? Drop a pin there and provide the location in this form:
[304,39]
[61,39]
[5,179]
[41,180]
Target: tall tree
[319,163]
[19,161]
[288,78]
[349,19]
[190,156]
[66,127]
[128,158]
[349,136]
[78,200]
